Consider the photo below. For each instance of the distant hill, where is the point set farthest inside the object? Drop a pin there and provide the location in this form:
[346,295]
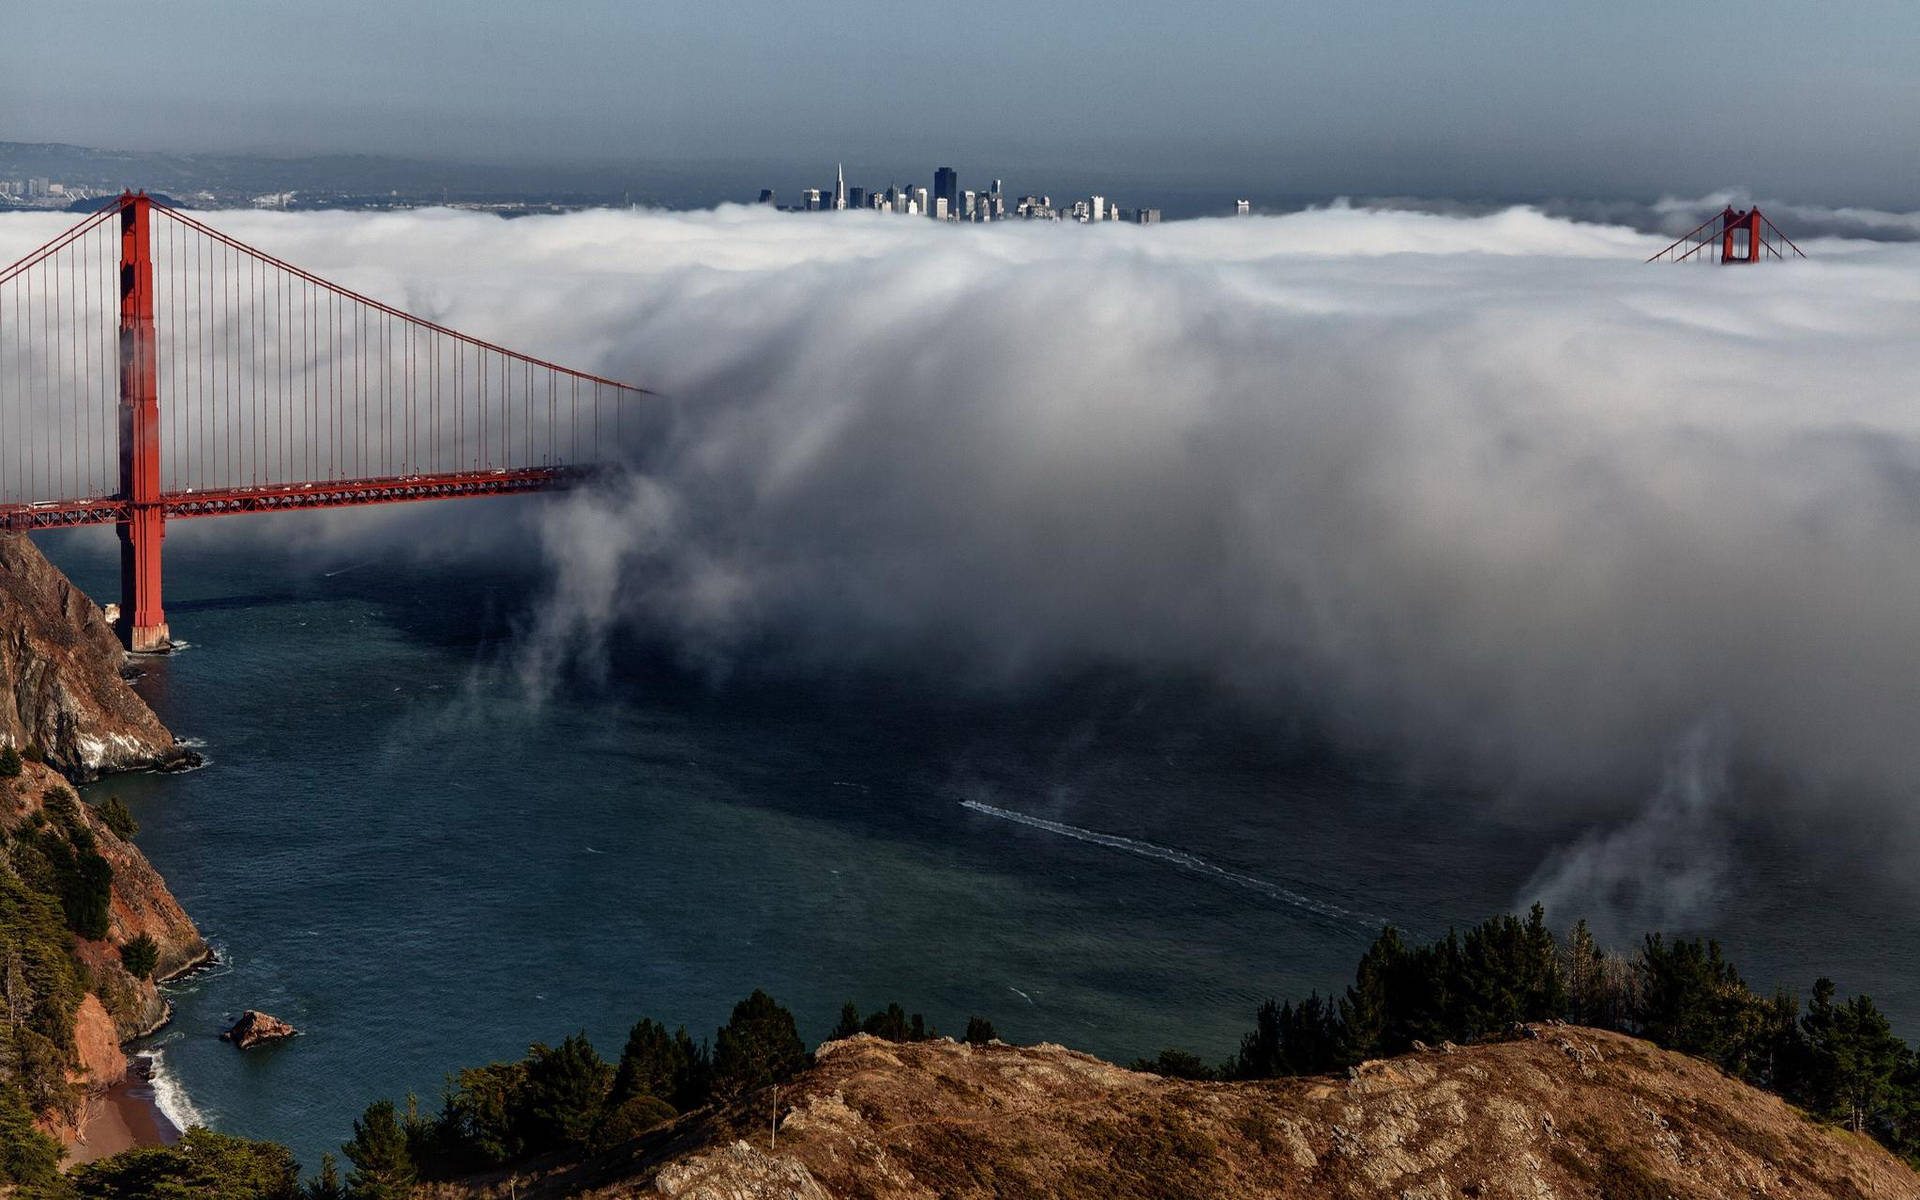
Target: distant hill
[1562,1111]
[336,179]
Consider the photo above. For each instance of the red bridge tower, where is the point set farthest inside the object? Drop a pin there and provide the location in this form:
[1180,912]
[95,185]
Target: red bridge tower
[143,623]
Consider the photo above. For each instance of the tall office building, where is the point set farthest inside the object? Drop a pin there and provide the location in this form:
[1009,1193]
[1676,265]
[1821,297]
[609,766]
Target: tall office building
[1243,208]
[839,187]
[1097,208]
[946,186]
[810,199]
[766,197]
[856,197]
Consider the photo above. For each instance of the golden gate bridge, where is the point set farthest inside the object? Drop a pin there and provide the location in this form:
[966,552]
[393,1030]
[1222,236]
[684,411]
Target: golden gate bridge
[282,391]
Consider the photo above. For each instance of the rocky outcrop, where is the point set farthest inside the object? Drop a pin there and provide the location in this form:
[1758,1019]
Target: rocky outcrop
[255,1027]
[61,684]
[96,1044]
[1571,1113]
[139,904]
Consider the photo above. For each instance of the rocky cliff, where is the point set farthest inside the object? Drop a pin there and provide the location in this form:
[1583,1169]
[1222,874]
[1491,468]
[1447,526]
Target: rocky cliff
[61,684]
[1560,1113]
[38,816]
[78,902]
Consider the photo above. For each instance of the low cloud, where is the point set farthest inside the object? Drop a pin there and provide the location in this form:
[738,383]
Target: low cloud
[1483,487]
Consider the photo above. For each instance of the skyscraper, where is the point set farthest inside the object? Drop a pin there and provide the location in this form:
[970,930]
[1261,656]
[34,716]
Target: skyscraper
[839,187]
[946,186]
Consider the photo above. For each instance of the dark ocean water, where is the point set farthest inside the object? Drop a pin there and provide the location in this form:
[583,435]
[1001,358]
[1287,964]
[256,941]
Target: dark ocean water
[395,849]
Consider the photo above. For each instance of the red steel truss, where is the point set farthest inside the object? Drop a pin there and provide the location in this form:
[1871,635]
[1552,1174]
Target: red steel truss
[157,369]
[1731,237]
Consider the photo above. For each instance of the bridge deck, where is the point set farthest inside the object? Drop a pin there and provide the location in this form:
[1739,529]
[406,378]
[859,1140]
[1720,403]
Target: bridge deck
[275,497]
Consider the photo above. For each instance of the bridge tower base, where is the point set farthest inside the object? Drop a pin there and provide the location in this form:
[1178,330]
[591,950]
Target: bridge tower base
[143,622]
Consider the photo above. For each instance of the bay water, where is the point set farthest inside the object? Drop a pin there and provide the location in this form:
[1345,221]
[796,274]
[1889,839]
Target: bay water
[397,848]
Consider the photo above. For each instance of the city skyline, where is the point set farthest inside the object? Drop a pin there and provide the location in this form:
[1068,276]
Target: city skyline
[946,200]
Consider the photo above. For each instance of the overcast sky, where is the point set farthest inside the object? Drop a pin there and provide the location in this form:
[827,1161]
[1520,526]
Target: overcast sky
[1794,99]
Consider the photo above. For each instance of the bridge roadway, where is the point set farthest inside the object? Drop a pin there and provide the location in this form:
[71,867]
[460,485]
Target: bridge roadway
[276,497]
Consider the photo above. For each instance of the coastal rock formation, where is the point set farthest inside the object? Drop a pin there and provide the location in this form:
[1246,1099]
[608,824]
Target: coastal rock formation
[79,902]
[1569,1113]
[96,1044]
[139,903]
[61,687]
[255,1027]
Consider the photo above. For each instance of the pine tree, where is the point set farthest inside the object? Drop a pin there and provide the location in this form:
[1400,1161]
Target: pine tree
[648,1066]
[1867,1057]
[693,1081]
[889,1023]
[1366,1013]
[566,1093]
[139,955]
[980,1031]
[382,1167]
[327,1186]
[758,1045]
[849,1022]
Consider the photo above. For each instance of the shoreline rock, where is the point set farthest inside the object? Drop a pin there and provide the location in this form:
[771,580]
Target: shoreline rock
[255,1027]
[68,707]
[64,672]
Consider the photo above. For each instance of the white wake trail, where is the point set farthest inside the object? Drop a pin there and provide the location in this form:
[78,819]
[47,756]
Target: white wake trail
[1177,858]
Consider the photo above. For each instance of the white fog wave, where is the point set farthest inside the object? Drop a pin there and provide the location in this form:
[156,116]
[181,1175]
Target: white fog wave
[1487,487]
[1665,867]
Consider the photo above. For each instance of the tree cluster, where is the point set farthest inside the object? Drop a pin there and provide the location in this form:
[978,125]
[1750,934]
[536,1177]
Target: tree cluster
[1839,1060]
[566,1098]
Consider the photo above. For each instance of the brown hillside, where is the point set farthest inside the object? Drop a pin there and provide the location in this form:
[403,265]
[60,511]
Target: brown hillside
[1562,1112]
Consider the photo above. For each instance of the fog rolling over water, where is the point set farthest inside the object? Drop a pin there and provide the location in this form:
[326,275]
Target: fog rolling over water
[1487,494]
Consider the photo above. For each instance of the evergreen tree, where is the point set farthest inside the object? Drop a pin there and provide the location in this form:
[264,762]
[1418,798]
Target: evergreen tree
[566,1093]
[204,1165]
[889,1023]
[1367,1011]
[849,1022]
[758,1045]
[9,762]
[1902,1129]
[1289,1040]
[28,1157]
[651,1065]
[1852,1059]
[693,1083]
[383,1169]
[483,1120]
[327,1185]
[139,956]
[980,1031]
[119,818]
[1691,998]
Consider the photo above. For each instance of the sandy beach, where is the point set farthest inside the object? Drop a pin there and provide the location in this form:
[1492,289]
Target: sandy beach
[126,1115]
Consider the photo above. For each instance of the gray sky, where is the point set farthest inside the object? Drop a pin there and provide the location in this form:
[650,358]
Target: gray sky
[1470,97]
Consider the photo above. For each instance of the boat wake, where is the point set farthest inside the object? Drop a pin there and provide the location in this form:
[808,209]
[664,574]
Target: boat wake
[1181,859]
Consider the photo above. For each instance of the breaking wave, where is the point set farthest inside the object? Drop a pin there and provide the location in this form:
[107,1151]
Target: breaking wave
[168,1094]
